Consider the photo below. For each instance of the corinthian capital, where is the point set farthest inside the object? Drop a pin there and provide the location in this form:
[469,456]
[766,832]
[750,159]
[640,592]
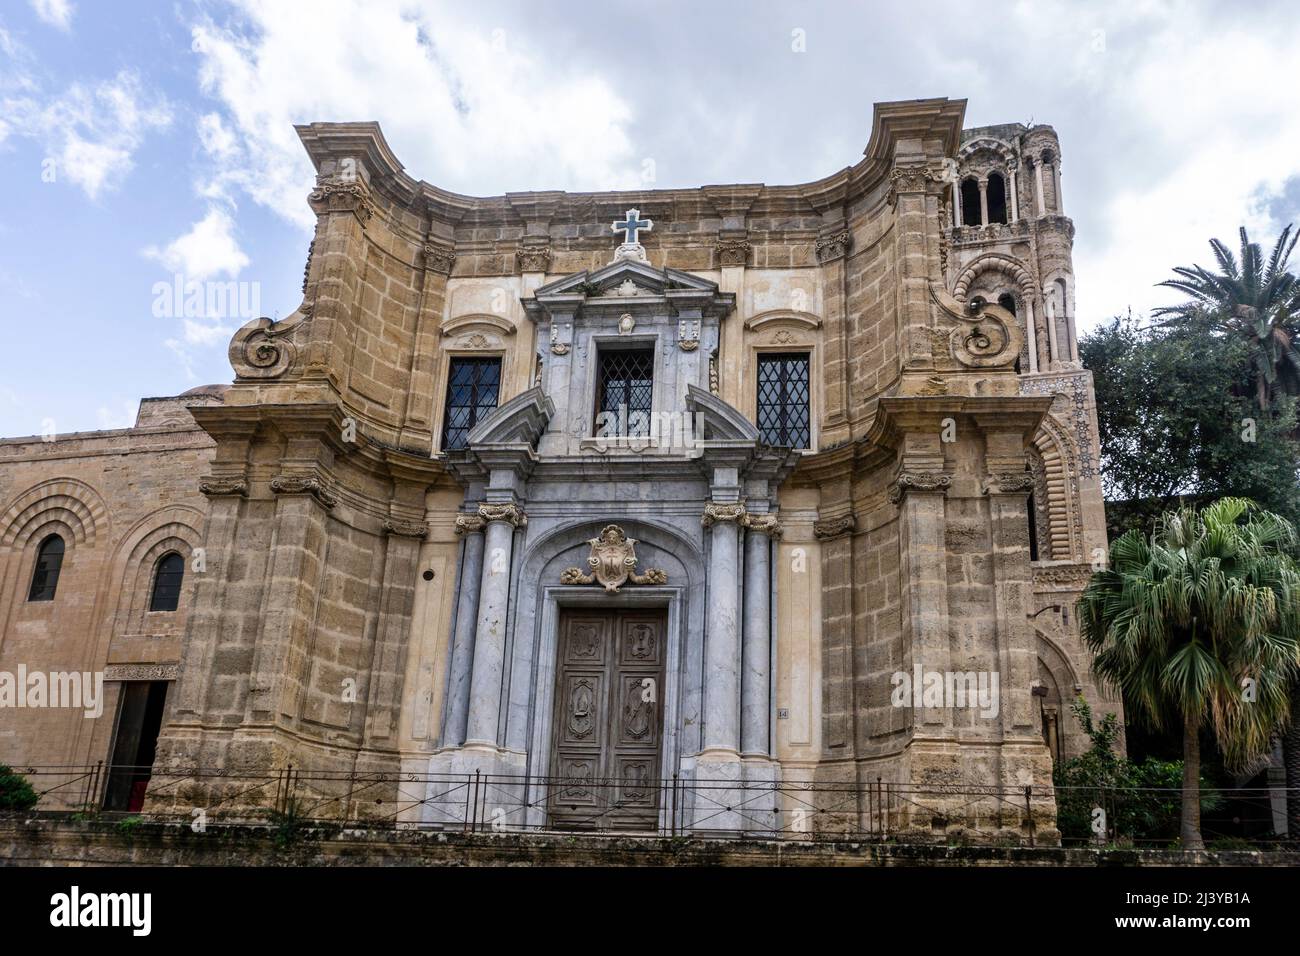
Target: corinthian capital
[715,512]
[829,528]
[764,524]
[918,481]
[469,524]
[510,512]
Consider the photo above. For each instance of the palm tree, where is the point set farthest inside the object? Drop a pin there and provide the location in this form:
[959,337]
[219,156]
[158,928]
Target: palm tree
[1183,621]
[1256,299]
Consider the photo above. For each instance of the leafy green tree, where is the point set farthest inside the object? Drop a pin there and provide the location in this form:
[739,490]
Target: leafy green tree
[1141,798]
[1177,423]
[15,792]
[1256,300]
[1199,625]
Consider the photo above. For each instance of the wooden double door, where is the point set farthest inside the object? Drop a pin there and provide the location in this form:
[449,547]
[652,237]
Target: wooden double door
[608,726]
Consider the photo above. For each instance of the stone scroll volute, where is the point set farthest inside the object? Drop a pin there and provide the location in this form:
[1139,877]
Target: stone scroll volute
[978,334]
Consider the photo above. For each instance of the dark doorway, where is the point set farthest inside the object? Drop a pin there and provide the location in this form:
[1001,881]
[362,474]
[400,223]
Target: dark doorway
[970,203]
[997,198]
[608,720]
[139,719]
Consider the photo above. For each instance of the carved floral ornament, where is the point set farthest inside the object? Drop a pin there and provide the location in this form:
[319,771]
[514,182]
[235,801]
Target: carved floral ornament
[406,529]
[125,672]
[918,481]
[1009,483]
[1072,577]
[914,179]
[303,485]
[716,512]
[507,512]
[688,335]
[834,246]
[558,347]
[732,252]
[764,524]
[439,258]
[613,563]
[342,195]
[533,258]
[829,528]
[469,524]
[215,487]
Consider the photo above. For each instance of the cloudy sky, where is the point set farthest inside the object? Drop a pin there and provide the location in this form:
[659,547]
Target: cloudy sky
[144,141]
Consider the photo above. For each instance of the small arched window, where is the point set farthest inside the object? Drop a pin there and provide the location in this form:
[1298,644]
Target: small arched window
[1008,302]
[49,561]
[997,197]
[167,577]
[970,203]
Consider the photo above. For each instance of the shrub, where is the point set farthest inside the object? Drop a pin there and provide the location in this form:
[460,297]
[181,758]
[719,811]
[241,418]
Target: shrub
[1142,799]
[15,792]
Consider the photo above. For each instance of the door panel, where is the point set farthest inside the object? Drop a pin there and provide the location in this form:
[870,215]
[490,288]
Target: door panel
[608,720]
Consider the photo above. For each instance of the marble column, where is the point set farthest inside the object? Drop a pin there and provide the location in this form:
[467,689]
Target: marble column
[1056,181]
[756,652]
[722,630]
[470,527]
[1031,333]
[984,201]
[1038,186]
[956,206]
[483,722]
[1015,194]
[1050,301]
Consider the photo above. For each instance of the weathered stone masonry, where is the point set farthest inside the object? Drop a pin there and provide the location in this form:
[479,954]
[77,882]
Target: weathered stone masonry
[377,603]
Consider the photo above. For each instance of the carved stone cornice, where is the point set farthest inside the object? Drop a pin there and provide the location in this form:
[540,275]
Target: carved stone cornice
[215,487]
[406,529]
[732,252]
[469,524]
[342,195]
[918,481]
[764,524]
[834,246]
[510,512]
[1073,577]
[439,258]
[533,258]
[303,485]
[1009,483]
[830,528]
[613,563]
[716,512]
[168,671]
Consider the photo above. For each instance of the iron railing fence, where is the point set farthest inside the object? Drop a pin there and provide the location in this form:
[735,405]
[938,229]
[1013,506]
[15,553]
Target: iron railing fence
[676,806]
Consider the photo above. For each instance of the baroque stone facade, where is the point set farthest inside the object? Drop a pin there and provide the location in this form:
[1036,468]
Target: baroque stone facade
[380,598]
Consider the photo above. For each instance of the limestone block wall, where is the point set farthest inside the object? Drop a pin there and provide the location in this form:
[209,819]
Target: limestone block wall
[120,500]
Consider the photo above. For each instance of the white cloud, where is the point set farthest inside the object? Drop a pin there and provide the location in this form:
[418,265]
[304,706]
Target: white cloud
[123,417]
[1220,141]
[198,335]
[57,13]
[467,107]
[208,249]
[217,140]
[90,133]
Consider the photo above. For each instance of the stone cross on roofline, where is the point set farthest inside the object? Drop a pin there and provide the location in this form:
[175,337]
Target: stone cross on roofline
[630,227]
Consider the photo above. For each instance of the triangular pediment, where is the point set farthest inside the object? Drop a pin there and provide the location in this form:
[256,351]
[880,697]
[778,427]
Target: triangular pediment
[631,282]
[626,279]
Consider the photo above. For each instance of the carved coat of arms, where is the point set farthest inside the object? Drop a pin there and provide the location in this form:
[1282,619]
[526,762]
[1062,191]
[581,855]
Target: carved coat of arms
[613,563]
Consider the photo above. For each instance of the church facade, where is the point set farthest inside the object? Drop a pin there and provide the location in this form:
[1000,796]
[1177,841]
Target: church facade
[583,492]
